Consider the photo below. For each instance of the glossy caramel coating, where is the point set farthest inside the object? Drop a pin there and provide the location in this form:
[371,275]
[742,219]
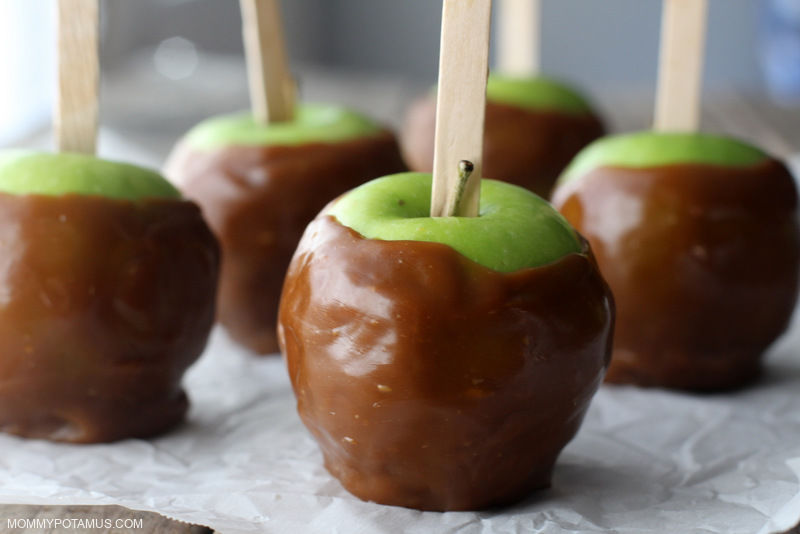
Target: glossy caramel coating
[524,147]
[258,201]
[103,305]
[703,263]
[432,382]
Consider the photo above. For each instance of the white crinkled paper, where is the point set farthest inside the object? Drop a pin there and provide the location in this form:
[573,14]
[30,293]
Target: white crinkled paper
[644,461]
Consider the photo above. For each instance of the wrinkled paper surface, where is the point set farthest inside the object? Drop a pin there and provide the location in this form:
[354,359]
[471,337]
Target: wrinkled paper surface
[644,461]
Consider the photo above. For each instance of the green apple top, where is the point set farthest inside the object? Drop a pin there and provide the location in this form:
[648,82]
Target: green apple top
[655,149]
[24,172]
[515,230]
[536,93]
[312,123]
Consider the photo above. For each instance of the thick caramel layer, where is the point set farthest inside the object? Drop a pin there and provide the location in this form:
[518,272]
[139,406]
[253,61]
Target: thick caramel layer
[103,305]
[258,201]
[524,147]
[432,382]
[703,263]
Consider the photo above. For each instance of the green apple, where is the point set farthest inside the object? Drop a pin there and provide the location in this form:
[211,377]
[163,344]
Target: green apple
[515,230]
[653,149]
[536,93]
[313,123]
[25,172]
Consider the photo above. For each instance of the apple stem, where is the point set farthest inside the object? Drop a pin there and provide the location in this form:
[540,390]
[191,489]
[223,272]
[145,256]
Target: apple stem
[76,110]
[455,207]
[272,90]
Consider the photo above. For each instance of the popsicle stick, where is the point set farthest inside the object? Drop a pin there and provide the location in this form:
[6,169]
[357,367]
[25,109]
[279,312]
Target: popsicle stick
[461,106]
[519,37]
[683,33]
[76,110]
[272,89]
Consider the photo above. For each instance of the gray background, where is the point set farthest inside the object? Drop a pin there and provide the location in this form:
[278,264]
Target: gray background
[591,42]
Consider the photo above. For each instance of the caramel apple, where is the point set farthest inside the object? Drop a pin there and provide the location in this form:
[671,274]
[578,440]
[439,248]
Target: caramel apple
[697,235]
[259,186]
[534,127]
[107,289]
[442,363]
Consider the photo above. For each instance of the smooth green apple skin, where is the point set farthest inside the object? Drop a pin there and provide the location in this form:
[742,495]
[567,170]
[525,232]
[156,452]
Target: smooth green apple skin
[655,149]
[536,93]
[515,230]
[313,123]
[24,172]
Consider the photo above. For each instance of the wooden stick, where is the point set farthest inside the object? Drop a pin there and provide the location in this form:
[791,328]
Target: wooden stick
[76,110]
[272,89]
[519,37]
[681,66]
[461,106]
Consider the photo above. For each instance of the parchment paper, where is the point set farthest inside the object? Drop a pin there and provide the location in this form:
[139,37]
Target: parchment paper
[645,461]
